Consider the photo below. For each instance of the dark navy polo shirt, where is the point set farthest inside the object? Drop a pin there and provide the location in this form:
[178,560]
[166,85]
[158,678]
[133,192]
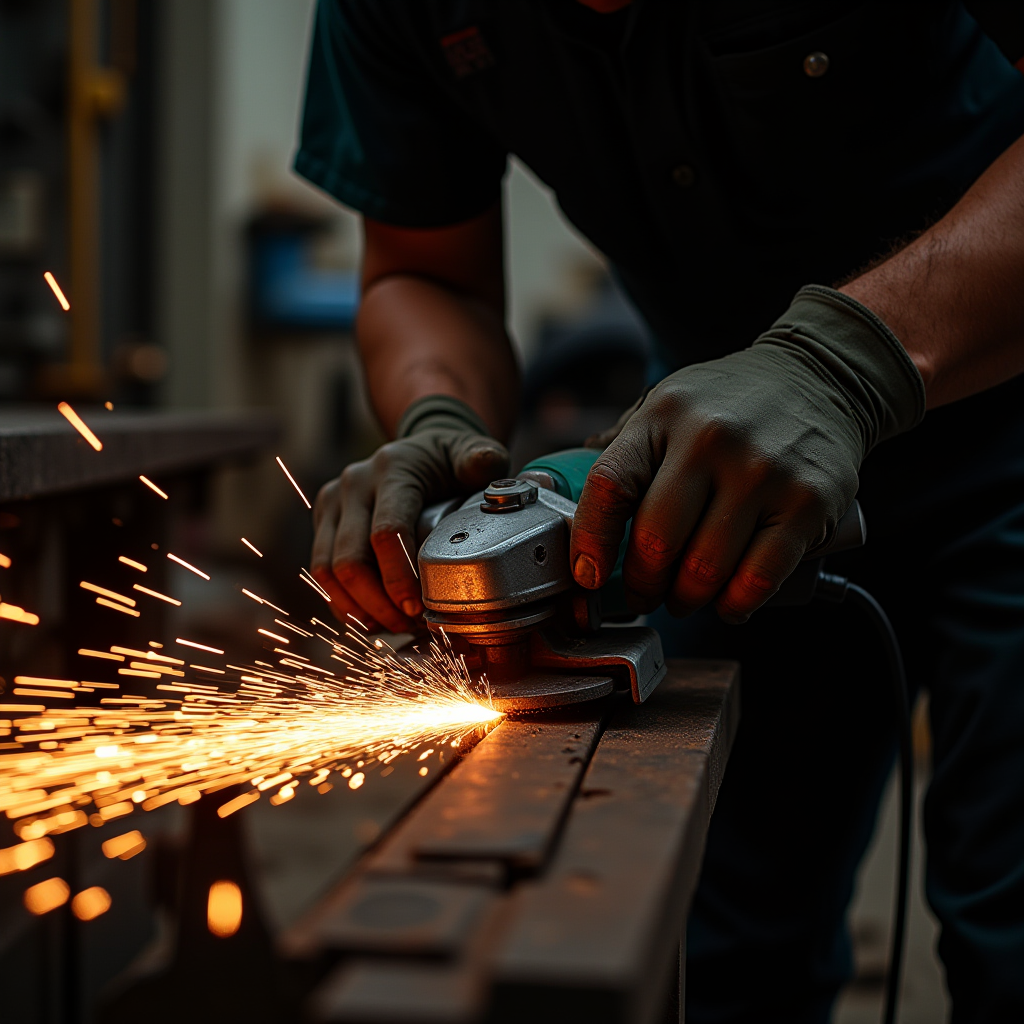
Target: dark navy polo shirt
[720,153]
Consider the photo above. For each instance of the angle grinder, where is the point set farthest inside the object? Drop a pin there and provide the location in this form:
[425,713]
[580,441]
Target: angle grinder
[497,584]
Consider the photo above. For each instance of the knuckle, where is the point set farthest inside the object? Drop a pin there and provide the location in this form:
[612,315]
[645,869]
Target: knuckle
[611,484]
[347,570]
[669,396]
[384,458]
[759,581]
[805,493]
[761,469]
[704,571]
[722,433]
[652,547]
[385,536]
[351,478]
[324,576]
[327,494]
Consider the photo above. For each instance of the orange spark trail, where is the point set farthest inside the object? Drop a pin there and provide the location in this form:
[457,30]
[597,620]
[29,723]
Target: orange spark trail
[152,486]
[55,288]
[191,568]
[156,594]
[76,421]
[294,484]
[200,647]
[412,565]
[15,614]
[252,547]
[310,582]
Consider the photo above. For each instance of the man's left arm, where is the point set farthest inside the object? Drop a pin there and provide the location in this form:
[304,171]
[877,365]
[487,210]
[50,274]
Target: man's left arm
[955,296]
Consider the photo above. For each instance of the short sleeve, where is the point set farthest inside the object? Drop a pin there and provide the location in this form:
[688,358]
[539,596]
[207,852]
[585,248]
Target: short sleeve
[380,132]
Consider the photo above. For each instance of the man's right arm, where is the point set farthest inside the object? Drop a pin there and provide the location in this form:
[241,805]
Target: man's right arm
[431,322]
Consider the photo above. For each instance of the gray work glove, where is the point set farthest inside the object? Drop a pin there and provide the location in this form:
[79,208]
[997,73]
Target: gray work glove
[442,449]
[733,470]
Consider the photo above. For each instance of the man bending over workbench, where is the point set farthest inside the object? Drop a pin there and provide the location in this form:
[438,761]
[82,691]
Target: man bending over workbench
[739,164]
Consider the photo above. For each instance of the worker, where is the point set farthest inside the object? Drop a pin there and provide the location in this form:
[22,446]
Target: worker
[818,207]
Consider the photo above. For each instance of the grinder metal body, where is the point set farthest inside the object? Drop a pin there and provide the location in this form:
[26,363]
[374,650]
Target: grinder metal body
[496,582]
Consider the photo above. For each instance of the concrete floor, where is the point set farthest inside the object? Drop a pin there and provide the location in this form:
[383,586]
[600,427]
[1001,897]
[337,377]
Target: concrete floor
[923,997]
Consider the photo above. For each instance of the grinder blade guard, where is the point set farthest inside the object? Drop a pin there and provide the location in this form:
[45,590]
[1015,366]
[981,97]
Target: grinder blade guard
[497,583]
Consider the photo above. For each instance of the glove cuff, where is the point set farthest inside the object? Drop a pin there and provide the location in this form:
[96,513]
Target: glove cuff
[440,412]
[856,352]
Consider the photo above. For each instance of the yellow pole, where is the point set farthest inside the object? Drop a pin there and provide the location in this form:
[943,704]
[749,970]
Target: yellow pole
[93,92]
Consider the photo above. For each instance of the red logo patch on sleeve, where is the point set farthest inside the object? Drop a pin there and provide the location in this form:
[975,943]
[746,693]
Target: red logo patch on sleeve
[467,52]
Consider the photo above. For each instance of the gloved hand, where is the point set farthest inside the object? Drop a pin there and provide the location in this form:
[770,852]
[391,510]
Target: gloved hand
[442,449]
[735,469]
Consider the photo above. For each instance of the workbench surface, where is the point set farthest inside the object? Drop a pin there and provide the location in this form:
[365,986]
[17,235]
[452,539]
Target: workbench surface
[547,876]
[42,454]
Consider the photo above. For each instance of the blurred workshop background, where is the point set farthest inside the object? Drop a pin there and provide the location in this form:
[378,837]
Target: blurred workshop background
[145,153]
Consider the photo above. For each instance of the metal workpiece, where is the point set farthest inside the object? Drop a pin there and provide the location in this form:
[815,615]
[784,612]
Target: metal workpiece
[478,562]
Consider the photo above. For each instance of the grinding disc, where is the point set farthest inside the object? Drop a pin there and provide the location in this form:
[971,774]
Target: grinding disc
[536,691]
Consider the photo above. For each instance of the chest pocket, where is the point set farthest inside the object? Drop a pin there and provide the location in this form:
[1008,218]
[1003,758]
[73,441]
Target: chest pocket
[789,122]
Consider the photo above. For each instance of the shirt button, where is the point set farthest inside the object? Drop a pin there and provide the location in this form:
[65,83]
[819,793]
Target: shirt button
[815,64]
[684,175]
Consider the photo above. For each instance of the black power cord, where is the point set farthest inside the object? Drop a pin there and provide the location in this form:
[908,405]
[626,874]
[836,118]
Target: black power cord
[837,589]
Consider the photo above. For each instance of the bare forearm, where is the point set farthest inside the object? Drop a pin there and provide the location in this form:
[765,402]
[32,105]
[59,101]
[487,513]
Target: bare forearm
[420,338]
[955,296]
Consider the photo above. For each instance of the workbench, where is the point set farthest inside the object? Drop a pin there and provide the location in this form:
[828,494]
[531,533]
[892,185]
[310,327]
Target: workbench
[42,455]
[546,877]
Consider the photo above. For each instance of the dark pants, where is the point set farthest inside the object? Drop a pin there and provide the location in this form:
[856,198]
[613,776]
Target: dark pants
[945,556]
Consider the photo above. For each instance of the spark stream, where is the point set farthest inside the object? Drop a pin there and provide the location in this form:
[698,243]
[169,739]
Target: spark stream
[63,767]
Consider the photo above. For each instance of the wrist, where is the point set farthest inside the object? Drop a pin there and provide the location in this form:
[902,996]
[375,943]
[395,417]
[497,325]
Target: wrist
[853,349]
[870,291]
[434,412]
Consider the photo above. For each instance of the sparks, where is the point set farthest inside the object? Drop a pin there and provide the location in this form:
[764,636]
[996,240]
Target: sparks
[15,614]
[294,484]
[309,581]
[156,594]
[252,547]
[198,647]
[103,592]
[191,568]
[131,562]
[261,732]
[412,565]
[55,288]
[152,486]
[117,606]
[76,421]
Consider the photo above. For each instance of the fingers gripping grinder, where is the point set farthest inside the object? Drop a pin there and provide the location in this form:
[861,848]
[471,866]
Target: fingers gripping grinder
[497,582]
